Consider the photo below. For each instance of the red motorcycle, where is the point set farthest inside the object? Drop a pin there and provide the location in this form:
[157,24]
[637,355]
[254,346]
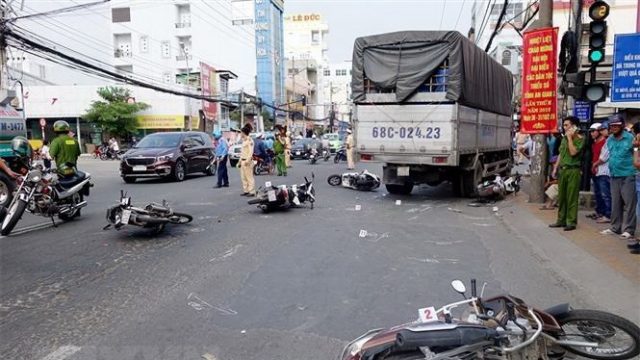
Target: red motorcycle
[502,327]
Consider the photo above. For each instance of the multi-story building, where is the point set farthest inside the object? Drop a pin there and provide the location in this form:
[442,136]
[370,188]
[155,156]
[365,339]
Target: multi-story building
[306,51]
[337,90]
[270,51]
[164,43]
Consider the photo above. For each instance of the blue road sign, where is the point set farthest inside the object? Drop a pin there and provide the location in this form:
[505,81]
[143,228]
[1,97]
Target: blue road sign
[626,68]
[582,110]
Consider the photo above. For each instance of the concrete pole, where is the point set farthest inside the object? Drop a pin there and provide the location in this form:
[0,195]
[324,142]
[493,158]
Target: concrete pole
[539,160]
[242,109]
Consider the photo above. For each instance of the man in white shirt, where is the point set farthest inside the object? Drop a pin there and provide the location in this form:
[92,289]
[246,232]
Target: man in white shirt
[600,171]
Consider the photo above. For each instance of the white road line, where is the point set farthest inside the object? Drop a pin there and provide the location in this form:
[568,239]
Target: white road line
[62,353]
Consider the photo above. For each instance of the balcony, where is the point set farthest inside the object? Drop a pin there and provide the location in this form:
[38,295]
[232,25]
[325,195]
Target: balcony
[183,57]
[182,25]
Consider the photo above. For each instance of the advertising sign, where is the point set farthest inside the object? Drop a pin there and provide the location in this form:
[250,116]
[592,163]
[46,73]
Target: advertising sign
[209,86]
[539,91]
[626,68]
[160,121]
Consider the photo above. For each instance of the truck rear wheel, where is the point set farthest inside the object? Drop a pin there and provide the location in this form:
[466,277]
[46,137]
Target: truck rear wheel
[399,189]
[470,181]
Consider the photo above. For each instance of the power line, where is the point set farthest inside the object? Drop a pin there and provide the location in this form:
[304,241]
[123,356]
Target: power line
[460,14]
[484,21]
[495,29]
[58,11]
[444,6]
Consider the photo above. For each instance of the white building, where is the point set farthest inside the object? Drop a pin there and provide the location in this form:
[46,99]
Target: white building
[337,89]
[158,42]
[306,48]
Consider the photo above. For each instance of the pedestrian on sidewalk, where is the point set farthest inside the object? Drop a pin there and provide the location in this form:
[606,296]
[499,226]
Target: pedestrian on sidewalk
[569,163]
[246,162]
[600,171]
[279,149]
[623,177]
[222,155]
[634,247]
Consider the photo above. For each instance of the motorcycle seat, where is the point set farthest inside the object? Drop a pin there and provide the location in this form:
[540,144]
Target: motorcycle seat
[70,181]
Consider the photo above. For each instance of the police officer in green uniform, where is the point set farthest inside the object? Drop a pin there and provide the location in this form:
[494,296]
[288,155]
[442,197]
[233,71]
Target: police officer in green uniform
[64,149]
[569,182]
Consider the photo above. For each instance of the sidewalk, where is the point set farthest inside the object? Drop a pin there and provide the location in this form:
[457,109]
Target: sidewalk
[610,250]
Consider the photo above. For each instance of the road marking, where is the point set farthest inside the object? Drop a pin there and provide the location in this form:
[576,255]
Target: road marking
[63,352]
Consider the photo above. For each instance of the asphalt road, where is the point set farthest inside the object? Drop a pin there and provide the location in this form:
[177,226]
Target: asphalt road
[240,284]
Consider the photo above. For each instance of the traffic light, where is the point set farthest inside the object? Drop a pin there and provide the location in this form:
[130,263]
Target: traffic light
[598,11]
[303,100]
[577,80]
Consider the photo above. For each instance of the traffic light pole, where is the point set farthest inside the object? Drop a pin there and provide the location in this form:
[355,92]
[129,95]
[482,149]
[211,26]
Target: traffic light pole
[539,159]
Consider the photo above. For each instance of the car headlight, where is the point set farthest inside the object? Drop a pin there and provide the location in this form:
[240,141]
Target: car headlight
[164,157]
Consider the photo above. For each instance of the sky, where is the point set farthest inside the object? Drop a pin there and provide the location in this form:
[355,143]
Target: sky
[348,19]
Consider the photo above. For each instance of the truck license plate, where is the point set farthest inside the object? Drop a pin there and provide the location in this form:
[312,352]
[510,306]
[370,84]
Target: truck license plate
[139,168]
[271,195]
[403,171]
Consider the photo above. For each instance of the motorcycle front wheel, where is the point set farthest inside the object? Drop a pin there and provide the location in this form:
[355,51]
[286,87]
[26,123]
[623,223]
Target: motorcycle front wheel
[336,159]
[13,216]
[180,218]
[617,337]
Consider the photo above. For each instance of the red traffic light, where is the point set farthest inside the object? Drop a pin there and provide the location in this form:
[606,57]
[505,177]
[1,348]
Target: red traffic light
[599,10]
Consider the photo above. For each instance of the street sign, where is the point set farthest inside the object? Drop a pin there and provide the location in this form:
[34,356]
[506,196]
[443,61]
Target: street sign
[626,68]
[582,110]
[43,122]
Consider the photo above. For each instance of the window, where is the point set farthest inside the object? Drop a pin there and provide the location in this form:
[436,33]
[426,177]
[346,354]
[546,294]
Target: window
[327,72]
[224,113]
[195,140]
[119,15]
[224,87]
[506,58]
[341,72]
[184,16]
[42,71]
[144,44]
[165,49]
[315,37]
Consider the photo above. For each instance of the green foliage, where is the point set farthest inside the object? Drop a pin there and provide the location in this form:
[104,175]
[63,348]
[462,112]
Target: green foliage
[114,114]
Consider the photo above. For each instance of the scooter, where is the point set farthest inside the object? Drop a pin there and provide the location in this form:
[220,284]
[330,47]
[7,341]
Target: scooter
[281,197]
[499,188]
[155,216]
[363,181]
[341,155]
[313,156]
[261,166]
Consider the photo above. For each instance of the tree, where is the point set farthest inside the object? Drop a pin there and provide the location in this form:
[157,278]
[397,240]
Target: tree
[115,114]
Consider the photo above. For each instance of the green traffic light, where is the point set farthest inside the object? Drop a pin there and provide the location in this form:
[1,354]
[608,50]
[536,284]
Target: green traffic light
[596,56]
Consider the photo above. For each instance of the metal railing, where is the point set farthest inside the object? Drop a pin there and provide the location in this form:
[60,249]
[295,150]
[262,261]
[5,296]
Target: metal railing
[181,25]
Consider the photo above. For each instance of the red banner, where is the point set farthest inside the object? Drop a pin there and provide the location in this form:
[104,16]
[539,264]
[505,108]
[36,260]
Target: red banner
[539,82]
[209,85]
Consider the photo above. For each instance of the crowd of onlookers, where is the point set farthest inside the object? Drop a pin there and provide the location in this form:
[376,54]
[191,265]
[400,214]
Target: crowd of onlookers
[614,174]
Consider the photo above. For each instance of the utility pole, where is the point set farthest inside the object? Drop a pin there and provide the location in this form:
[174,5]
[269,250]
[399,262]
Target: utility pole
[242,108]
[3,47]
[293,65]
[539,159]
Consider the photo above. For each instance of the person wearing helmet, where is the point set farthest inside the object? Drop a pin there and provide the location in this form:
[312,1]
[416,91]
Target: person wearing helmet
[246,162]
[350,150]
[222,154]
[64,149]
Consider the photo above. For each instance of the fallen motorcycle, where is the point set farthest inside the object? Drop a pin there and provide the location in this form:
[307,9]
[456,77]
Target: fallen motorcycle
[499,187]
[271,197]
[155,216]
[43,193]
[363,181]
[502,327]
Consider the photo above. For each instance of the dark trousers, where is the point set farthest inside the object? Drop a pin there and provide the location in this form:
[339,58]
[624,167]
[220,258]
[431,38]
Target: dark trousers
[602,192]
[223,177]
[623,204]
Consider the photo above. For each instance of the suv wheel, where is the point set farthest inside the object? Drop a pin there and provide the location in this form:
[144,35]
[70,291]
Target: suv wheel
[179,171]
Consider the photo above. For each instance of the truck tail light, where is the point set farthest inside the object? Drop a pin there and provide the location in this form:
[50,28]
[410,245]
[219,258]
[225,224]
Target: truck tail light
[366,157]
[440,159]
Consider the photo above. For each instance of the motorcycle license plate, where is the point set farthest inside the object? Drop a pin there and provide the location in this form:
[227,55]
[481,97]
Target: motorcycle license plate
[271,195]
[126,215]
[297,152]
[139,168]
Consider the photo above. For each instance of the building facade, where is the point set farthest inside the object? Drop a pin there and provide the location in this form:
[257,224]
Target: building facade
[269,51]
[337,90]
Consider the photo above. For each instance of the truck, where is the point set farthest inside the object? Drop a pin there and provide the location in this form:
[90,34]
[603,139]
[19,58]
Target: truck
[12,124]
[432,107]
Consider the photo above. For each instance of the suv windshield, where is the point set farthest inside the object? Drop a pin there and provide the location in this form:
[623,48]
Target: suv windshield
[159,141]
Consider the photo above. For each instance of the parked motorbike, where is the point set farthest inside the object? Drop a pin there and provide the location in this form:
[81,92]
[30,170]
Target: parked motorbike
[502,327]
[261,166]
[314,156]
[341,155]
[499,188]
[271,197]
[105,153]
[363,181]
[44,193]
[155,216]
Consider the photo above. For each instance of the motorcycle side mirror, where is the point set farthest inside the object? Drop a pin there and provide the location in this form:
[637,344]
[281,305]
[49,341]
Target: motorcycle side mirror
[458,286]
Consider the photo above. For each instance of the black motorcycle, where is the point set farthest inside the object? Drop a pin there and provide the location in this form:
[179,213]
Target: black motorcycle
[271,197]
[155,216]
[341,155]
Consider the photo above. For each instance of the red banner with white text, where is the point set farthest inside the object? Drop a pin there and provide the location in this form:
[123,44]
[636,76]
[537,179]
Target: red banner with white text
[539,104]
